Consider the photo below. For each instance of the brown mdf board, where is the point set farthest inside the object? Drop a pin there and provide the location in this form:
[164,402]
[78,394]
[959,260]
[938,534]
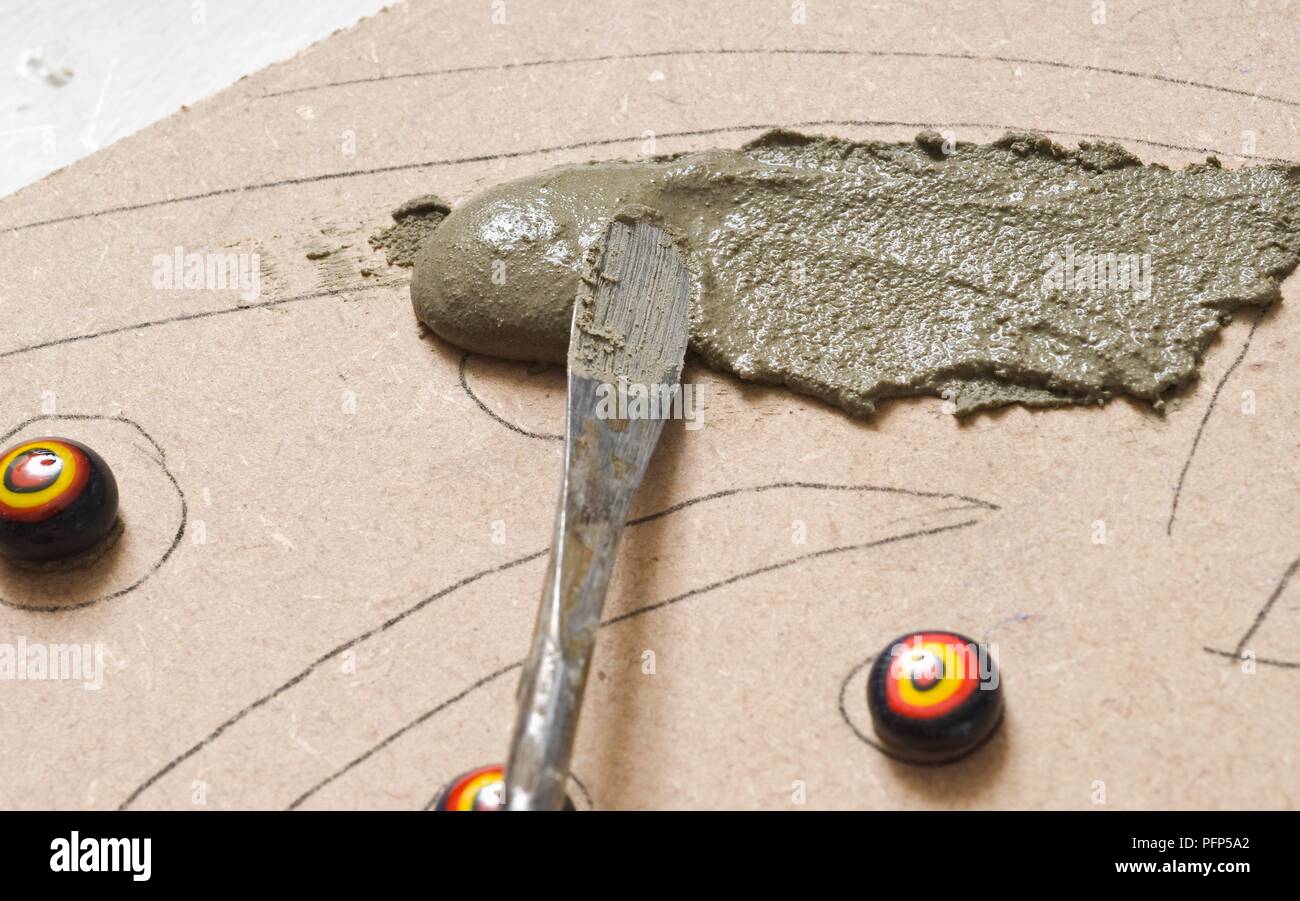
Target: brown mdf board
[336,524]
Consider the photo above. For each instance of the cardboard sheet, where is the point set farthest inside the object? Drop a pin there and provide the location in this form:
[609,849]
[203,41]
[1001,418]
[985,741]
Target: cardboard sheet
[336,524]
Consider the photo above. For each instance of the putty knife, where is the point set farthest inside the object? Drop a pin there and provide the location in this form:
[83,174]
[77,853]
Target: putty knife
[629,332]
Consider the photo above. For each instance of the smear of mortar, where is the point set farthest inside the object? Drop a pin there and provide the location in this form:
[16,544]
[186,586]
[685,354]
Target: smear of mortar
[1015,271]
[412,223]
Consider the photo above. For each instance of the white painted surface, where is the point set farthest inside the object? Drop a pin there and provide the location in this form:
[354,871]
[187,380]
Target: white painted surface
[77,75]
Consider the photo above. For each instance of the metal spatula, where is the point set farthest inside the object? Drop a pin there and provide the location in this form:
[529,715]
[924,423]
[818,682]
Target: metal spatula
[629,333]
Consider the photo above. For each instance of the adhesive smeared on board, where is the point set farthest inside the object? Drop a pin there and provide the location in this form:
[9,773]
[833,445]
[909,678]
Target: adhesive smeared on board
[413,222]
[1011,272]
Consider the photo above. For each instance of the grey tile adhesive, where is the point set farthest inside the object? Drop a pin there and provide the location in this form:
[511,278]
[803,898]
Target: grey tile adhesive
[988,274]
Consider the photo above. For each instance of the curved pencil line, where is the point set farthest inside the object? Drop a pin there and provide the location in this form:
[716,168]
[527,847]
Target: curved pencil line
[84,417]
[464,384]
[162,464]
[974,502]
[605,142]
[582,787]
[1205,418]
[316,664]
[640,611]
[1268,605]
[1234,655]
[844,711]
[793,51]
[1239,652]
[399,617]
[772,567]
[388,740]
[190,317]
[394,736]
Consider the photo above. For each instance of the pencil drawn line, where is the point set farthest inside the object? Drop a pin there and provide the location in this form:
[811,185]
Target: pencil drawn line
[190,317]
[600,142]
[161,461]
[389,739]
[1239,652]
[824,486]
[972,502]
[772,567]
[778,51]
[1205,418]
[582,787]
[316,664]
[1234,655]
[437,595]
[1268,605]
[640,611]
[464,384]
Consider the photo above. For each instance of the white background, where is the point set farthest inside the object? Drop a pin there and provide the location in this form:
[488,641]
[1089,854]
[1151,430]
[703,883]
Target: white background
[77,75]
